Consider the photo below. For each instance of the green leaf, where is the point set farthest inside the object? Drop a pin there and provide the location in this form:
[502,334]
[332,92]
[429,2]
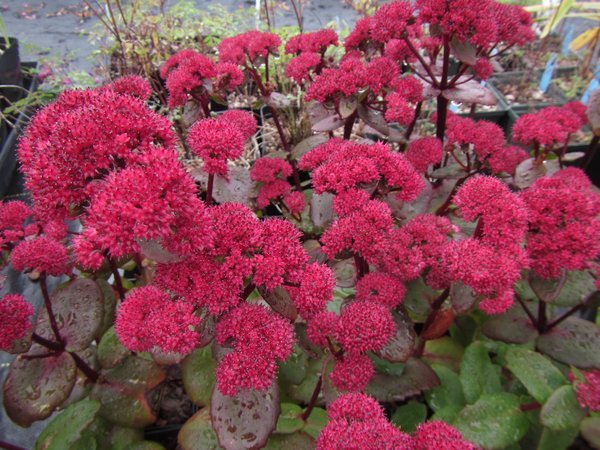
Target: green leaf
[408,416]
[295,441]
[110,350]
[578,286]
[122,407]
[198,373]
[307,145]
[289,420]
[316,422]
[146,445]
[557,440]
[449,393]
[67,427]
[418,297]
[121,438]
[574,341]
[448,413]
[559,14]
[247,419]
[513,327]
[590,430]
[444,351]
[293,369]
[562,411]
[477,373]
[34,388]
[197,433]
[79,311]
[301,393]
[495,421]
[416,378]
[535,372]
[136,374]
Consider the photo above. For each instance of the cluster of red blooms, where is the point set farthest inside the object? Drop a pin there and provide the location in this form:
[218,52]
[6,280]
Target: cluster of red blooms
[188,73]
[550,126]
[588,390]
[13,217]
[16,315]
[248,47]
[563,216]
[357,421]
[486,140]
[218,140]
[309,49]
[272,173]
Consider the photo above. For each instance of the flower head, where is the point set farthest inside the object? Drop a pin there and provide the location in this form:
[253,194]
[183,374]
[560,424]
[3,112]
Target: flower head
[16,315]
[13,215]
[299,67]
[352,373]
[424,152]
[588,391]
[216,141]
[381,288]
[41,254]
[250,45]
[150,318]
[133,85]
[315,290]
[315,42]
[438,435]
[244,121]
[365,326]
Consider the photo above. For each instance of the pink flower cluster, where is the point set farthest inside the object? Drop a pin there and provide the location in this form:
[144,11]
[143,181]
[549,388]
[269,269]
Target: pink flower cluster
[40,254]
[149,318]
[272,174]
[259,339]
[248,47]
[13,216]
[339,166]
[563,218]
[588,390]
[16,315]
[189,73]
[72,145]
[357,421]
[550,126]
[218,140]
[491,261]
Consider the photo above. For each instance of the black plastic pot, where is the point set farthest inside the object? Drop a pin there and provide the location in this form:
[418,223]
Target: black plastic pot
[8,157]
[10,71]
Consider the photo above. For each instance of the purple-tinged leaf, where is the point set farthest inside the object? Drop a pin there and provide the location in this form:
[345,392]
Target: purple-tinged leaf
[464,51]
[280,301]
[329,123]
[400,347]
[416,377]
[470,92]
[574,341]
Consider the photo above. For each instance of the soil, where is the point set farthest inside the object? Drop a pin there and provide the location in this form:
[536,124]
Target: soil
[520,94]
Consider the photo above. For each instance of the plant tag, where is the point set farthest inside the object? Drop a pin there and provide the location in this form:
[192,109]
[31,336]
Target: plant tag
[453,107]
[548,73]
[567,41]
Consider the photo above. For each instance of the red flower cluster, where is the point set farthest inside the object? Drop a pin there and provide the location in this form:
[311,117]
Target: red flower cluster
[563,216]
[41,254]
[248,47]
[550,126]
[16,315]
[12,222]
[150,318]
[342,165]
[76,142]
[155,200]
[272,173]
[315,42]
[299,68]
[259,338]
[333,83]
[424,152]
[133,85]
[218,140]
[491,261]
[438,435]
[188,72]
[588,391]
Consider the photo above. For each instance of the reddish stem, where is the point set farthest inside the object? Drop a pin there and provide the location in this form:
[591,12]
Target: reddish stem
[435,308]
[48,305]
[530,406]
[313,399]
[118,282]
[209,189]
[7,446]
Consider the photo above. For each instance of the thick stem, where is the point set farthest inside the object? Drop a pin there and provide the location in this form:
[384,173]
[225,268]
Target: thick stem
[209,189]
[411,127]
[313,399]
[442,102]
[591,151]
[435,308]
[90,373]
[426,66]
[542,317]
[48,305]
[348,124]
[530,406]
[118,282]
[57,347]
[569,313]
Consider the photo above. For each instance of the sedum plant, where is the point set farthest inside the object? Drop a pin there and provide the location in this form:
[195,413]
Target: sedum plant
[417,291]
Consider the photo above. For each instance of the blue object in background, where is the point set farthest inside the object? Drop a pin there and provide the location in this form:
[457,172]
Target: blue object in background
[567,40]
[548,73]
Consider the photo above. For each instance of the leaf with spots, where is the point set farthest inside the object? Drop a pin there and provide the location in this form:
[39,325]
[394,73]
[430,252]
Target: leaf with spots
[247,420]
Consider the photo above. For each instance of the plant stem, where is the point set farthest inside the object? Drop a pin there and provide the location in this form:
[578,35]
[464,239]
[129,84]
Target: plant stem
[313,399]
[542,317]
[411,127]
[48,305]
[209,189]
[442,102]
[58,347]
[435,308]
[569,313]
[348,124]
[426,66]
[117,275]
[591,151]
[530,406]
[526,309]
